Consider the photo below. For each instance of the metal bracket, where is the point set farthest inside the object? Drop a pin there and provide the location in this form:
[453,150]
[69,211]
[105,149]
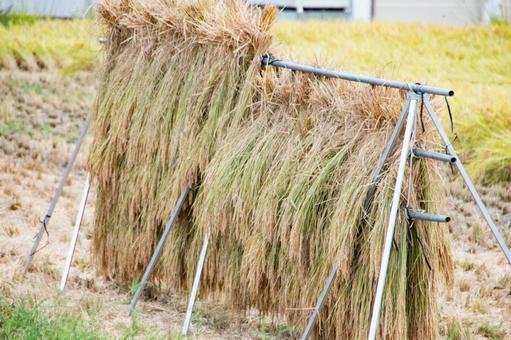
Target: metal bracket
[421,153]
[419,215]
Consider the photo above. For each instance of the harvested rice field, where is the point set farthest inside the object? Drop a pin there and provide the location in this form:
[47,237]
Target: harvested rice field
[42,107]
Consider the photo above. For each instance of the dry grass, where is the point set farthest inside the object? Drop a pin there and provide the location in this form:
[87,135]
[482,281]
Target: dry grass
[473,60]
[279,165]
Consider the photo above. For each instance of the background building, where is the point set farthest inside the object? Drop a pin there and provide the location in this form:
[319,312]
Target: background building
[454,12]
[52,8]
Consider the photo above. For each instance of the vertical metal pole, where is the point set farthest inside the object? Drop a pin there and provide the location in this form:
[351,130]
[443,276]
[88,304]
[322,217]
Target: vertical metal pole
[388,149]
[374,181]
[299,8]
[468,182]
[43,224]
[195,287]
[393,217]
[76,230]
[158,249]
[319,304]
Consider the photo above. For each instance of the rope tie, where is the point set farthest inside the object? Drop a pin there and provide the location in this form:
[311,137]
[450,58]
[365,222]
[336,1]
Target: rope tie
[43,222]
[452,131]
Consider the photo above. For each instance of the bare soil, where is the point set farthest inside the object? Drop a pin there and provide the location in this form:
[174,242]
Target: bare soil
[40,115]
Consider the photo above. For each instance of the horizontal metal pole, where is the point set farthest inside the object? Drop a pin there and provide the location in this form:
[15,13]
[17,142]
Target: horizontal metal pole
[419,215]
[417,88]
[434,155]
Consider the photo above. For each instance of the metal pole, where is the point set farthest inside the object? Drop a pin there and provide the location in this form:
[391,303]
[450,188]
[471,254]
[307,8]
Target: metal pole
[376,177]
[158,249]
[195,287]
[420,215]
[319,304]
[393,217]
[433,155]
[76,230]
[388,149]
[468,182]
[43,224]
[417,88]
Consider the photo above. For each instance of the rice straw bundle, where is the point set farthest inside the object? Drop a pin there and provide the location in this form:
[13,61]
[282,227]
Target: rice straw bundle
[279,165]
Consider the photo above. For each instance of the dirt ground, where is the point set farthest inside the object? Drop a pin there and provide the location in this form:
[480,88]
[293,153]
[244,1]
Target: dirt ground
[40,115]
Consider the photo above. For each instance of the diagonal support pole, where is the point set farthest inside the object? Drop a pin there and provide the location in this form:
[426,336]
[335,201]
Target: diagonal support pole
[195,287]
[378,299]
[370,193]
[76,231]
[468,181]
[319,304]
[389,147]
[158,249]
[46,219]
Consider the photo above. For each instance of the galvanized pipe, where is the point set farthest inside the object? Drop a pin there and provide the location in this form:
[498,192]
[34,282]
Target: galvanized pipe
[468,181]
[378,299]
[417,88]
[386,152]
[76,231]
[195,287]
[421,153]
[375,179]
[43,224]
[319,304]
[158,249]
[419,215]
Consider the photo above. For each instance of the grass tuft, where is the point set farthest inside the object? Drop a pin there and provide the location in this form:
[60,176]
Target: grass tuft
[8,18]
[494,332]
[28,319]
[42,44]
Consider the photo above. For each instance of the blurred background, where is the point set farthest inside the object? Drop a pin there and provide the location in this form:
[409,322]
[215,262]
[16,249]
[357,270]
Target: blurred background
[49,58]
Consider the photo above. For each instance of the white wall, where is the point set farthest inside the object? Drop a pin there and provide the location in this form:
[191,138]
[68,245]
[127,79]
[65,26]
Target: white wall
[506,9]
[454,12]
[54,8]
[305,3]
[361,10]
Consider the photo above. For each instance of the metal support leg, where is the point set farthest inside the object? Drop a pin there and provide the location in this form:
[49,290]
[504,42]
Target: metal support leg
[386,152]
[46,219]
[74,239]
[468,182]
[319,304]
[374,182]
[393,217]
[158,249]
[195,287]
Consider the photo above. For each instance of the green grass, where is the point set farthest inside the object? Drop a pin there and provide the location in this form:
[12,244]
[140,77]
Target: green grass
[8,19]
[27,319]
[494,332]
[474,61]
[8,128]
[32,44]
